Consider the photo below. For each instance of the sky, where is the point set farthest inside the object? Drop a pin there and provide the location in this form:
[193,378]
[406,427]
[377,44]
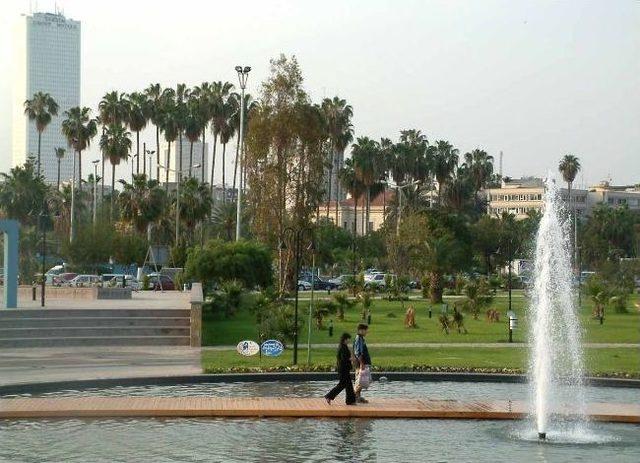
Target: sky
[533,79]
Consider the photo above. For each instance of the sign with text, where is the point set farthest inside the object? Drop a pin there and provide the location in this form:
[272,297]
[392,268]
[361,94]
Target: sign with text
[272,348]
[248,348]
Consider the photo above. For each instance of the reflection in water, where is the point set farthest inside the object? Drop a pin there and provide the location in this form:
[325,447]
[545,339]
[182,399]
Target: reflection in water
[296,440]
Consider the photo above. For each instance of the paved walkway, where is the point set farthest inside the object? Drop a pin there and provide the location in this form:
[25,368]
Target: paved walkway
[72,407]
[85,363]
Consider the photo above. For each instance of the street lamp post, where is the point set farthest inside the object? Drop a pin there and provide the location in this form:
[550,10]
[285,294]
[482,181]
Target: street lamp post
[243,75]
[150,153]
[296,236]
[178,173]
[95,188]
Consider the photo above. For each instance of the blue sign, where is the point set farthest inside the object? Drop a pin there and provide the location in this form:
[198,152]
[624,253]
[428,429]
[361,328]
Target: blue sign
[272,348]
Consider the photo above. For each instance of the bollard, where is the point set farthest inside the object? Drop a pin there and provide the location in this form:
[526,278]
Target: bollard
[33,293]
[429,311]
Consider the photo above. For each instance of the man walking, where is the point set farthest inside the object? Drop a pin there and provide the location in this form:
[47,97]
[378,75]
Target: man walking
[361,353]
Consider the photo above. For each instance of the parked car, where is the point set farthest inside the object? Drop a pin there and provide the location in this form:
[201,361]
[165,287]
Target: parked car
[155,281]
[304,285]
[340,281]
[319,282]
[85,280]
[130,282]
[64,279]
[378,280]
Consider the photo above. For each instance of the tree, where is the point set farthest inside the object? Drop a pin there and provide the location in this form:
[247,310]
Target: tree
[112,109]
[569,167]
[59,156]
[137,117]
[354,187]
[478,295]
[195,203]
[22,192]
[40,108]
[219,96]
[79,128]
[250,107]
[480,168]
[156,99]
[337,115]
[226,133]
[248,262]
[115,144]
[169,124]
[445,162]
[367,164]
[193,125]
[141,203]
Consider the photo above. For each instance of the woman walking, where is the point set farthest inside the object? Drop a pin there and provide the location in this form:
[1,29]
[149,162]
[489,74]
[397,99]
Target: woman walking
[344,373]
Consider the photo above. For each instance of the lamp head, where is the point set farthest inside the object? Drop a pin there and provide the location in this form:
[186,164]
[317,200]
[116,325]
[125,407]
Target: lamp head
[238,68]
[247,69]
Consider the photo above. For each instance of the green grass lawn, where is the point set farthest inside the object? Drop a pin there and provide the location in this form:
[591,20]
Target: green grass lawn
[605,362]
[388,324]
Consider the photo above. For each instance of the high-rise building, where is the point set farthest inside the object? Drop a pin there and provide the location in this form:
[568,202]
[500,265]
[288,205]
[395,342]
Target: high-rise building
[47,59]
[175,164]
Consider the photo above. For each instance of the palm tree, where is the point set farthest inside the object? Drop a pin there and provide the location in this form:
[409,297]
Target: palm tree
[226,134]
[250,107]
[156,98]
[480,166]
[169,124]
[59,155]
[195,203]
[115,144]
[338,116]
[569,167]
[204,94]
[22,191]
[367,164]
[181,112]
[193,124]
[137,117]
[445,161]
[41,109]
[350,182]
[113,109]
[79,128]
[141,203]
[220,95]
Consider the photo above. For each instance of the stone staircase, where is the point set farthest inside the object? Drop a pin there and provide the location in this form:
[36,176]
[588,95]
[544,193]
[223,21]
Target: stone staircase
[58,327]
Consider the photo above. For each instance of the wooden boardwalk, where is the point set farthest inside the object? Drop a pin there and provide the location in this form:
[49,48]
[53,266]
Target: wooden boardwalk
[98,407]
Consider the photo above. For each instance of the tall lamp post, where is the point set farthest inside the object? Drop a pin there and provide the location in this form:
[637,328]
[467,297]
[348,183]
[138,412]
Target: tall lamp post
[295,237]
[178,173]
[243,75]
[144,165]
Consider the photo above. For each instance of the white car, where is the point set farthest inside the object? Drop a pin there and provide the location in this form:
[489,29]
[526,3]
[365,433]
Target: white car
[378,280]
[129,280]
[340,281]
[85,280]
[304,285]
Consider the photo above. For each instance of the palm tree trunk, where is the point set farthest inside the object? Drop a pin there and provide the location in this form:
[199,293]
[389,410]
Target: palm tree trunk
[101,181]
[80,170]
[39,139]
[158,153]
[235,167]
[355,216]
[190,160]
[368,207]
[113,187]
[224,186]
[329,188]
[202,163]
[58,184]
[384,204]
[138,152]
[166,180]
[180,160]
[213,161]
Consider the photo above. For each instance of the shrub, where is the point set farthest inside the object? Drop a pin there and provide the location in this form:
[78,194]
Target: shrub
[343,303]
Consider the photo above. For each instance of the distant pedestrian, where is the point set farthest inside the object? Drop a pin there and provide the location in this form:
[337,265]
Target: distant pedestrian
[344,373]
[361,353]
[330,328]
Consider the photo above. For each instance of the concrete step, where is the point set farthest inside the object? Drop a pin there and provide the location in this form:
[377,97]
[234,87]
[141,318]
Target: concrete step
[107,331]
[92,322]
[95,341]
[93,313]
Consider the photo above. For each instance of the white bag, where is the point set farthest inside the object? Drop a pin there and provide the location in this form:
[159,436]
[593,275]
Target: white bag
[363,378]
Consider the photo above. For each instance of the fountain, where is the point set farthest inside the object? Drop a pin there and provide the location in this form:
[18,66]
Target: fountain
[556,366]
